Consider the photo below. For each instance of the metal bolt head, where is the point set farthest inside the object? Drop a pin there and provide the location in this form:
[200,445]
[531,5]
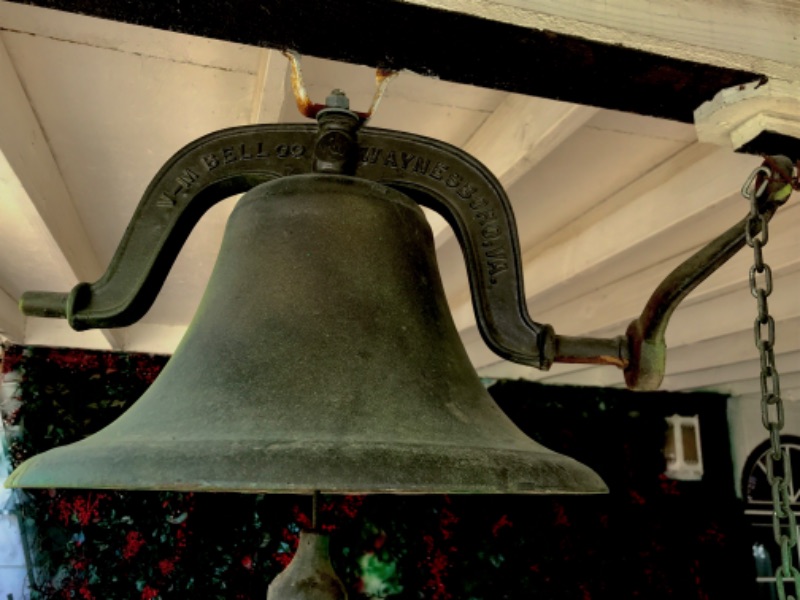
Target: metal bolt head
[337,99]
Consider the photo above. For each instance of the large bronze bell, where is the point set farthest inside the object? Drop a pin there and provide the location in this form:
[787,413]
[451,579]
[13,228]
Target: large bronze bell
[323,357]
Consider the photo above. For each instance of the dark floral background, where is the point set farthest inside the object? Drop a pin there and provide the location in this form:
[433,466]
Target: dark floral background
[650,538]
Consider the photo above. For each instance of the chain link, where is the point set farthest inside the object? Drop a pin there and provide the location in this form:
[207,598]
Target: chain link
[779,476]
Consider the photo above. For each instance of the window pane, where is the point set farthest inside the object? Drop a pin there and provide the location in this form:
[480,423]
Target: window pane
[690,454]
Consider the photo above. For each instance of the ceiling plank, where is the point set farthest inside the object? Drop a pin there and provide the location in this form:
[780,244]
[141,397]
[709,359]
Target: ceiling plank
[717,377]
[269,92]
[656,177]
[451,44]
[28,153]
[58,333]
[154,338]
[790,386]
[679,205]
[521,132]
[617,303]
[516,137]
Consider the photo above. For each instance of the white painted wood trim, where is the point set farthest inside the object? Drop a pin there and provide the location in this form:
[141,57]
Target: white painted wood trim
[737,115]
[12,322]
[269,92]
[25,147]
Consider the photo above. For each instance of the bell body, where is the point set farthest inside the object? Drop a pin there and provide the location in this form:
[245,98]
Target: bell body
[322,357]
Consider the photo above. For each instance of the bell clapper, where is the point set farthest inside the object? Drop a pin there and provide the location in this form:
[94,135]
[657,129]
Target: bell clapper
[310,575]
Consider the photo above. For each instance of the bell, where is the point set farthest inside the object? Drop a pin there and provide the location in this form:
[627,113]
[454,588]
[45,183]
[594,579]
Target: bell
[322,357]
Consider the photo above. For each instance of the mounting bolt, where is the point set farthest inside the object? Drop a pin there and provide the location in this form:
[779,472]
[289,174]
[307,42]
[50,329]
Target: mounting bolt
[337,99]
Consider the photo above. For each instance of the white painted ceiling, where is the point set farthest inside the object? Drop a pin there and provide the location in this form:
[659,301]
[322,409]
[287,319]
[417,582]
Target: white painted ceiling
[607,203]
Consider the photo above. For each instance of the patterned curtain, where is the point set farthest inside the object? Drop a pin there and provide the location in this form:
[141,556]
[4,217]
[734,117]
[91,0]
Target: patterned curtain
[650,538]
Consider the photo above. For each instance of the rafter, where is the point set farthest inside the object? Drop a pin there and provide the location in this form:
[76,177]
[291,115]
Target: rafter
[521,132]
[516,137]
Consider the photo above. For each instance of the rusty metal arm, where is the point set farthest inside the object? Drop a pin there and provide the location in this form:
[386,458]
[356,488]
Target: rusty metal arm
[641,352]
[645,336]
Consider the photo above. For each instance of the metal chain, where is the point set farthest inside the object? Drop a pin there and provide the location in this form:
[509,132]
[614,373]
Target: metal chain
[779,475]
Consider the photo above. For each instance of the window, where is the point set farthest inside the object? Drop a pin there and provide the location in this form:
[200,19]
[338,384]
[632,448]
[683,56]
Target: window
[757,493]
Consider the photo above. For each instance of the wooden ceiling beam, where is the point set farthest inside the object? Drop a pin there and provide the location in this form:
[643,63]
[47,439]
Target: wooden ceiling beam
[445,40]
[521,132]
[517,136]
[733,35]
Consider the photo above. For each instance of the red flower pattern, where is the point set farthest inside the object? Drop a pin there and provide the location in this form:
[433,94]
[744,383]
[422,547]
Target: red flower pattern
[133,543]
[149,593]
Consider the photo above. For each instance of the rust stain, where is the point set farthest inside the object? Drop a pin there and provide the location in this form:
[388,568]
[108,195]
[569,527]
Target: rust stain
[310,109]
[306,107]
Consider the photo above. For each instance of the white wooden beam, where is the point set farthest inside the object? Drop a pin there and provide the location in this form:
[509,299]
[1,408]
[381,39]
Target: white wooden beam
[759,36]
[516,137]
[736,116]
[521,132]
[28,153]
[12,323]
[270,87]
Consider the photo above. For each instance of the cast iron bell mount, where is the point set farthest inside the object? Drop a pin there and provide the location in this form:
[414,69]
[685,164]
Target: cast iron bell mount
[430,172]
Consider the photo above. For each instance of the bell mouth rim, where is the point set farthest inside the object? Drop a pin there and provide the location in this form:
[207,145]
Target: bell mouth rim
[396,469]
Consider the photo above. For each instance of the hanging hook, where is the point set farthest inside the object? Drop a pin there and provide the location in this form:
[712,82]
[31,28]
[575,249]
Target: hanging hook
[310,109]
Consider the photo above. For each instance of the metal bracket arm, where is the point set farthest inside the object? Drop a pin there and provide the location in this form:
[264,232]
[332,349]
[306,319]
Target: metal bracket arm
[642,351]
